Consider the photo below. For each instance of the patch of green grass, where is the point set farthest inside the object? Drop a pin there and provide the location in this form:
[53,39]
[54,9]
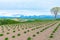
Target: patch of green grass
[1,34]
[29,38]
[6,39]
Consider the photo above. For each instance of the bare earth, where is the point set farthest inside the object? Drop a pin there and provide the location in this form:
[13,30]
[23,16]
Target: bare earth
[34,28]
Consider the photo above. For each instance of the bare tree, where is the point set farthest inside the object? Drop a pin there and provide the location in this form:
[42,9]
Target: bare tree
[55,11]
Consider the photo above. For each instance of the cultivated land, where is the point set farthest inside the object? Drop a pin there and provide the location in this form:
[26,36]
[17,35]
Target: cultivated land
[37,30]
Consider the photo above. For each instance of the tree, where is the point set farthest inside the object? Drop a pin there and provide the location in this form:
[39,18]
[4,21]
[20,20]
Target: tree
[55,11]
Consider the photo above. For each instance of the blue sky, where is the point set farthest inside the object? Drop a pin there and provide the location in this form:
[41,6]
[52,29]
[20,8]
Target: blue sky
[27,7]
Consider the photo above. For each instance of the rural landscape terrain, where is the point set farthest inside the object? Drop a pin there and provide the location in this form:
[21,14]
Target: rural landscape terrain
[29,19]
[29,30]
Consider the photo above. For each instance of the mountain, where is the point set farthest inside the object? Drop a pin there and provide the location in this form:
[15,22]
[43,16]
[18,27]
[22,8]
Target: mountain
[33,17]
[38,17]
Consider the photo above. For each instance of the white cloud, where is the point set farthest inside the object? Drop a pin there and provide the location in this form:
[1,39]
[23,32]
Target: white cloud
[17,13]
[27,7]
[42,5]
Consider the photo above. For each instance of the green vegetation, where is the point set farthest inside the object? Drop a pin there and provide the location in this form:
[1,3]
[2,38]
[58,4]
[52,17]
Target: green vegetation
[8,33]
[51,36]
[14,31]
[29,38]
[56,28]
[13,36]
[18,34]
[2,28]
[4,21]
[6,39]
[47,27]
[1,34]
[7,21]
[37,32]
[33,29]
[25,32]
[33,26]
[58,19]
[34,35]
[44,29]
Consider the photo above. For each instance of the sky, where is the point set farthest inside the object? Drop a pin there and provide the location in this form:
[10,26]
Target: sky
[15,8]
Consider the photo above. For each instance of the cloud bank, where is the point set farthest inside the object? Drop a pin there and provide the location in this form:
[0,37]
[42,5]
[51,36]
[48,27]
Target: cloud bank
[27,7]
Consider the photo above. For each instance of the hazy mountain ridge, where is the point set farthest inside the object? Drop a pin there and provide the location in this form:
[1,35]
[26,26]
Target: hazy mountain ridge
[34,16]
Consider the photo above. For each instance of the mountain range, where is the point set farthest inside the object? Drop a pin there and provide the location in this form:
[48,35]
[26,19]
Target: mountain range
[33,17]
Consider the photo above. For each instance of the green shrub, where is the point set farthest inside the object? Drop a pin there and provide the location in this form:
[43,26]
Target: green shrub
[7,32]
[13,31]
[34,35]
[18,34]
[29,38]
[24,31]
[37,32]
[1,34]
[51,36]
[6,38]
[13,36]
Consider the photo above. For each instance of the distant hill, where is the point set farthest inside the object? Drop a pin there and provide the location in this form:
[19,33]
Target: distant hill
[12,20]
[19,20]
[7,21]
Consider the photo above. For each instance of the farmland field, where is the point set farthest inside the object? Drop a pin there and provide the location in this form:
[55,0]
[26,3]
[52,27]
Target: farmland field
[31,31]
